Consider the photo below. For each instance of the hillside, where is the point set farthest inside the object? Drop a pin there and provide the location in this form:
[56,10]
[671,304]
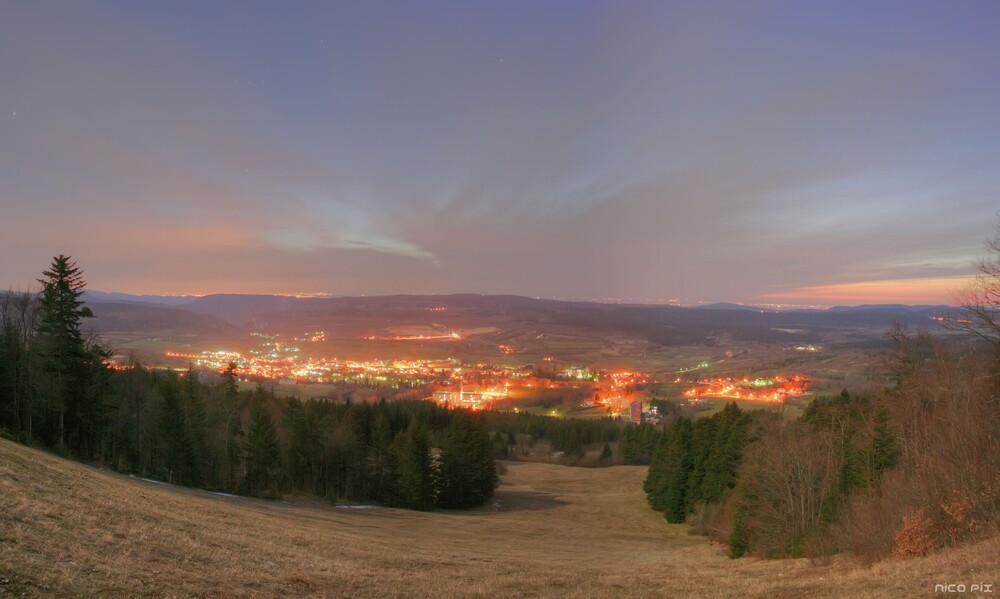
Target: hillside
[662,325]
[527,330]
[68,530]
[134,317]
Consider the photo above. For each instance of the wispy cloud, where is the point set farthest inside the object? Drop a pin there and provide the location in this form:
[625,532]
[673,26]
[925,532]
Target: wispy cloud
[726,151]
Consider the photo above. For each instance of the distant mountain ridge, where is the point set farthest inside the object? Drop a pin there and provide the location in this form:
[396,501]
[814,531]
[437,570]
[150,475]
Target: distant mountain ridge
[115,296]
[126,317]
[212,302]
[728,306]
[917,308]
[357,316]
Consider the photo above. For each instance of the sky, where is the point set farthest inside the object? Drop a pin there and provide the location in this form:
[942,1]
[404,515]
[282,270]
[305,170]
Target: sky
[812,153]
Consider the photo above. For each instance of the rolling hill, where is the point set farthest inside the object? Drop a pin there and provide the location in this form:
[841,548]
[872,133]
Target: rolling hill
[71,530]
[659,325]
[134,317]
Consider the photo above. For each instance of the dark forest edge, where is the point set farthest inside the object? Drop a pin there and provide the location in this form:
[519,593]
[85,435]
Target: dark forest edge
[58,392]
[902,469]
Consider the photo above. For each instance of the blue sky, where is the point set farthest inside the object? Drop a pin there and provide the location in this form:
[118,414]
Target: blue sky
[801,152]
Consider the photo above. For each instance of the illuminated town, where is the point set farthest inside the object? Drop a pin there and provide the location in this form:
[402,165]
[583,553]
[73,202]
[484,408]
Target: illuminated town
[777,389]
[476,386]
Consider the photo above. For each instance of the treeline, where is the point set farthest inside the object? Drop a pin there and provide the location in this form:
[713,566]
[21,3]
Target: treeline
[945,487]
[900,471]
[694,463]
[574,436]
[260,445]
[57,392]
[770,487]
[410,454]
[799,477]
[904,469]
[570,436]
[639,441]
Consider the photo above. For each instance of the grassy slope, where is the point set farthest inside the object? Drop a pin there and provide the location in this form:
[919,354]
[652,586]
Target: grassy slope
[68,530]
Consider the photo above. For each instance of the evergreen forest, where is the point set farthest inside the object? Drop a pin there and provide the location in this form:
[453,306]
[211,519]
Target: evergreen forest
[58,391]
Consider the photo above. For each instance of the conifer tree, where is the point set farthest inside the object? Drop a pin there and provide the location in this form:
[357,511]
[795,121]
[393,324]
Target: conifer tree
[67,361]
[655,484]
[574,446]
[196,421]
[355,452]
[261,454]
[381,460]
[726,453]
[629,446]
[229,384]
[18,362]
[230,415]
[677,470]
[414,481]
[501,447]
[703,436]
[467,474]
[885,446]
[605,454]
[176,454]
[305,447]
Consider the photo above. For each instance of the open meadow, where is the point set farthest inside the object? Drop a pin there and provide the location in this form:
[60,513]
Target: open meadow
[551,531]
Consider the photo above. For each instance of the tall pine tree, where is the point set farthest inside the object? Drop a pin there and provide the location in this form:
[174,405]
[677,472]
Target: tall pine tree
[414,483]
[175,447]
[261,454]
[77,411]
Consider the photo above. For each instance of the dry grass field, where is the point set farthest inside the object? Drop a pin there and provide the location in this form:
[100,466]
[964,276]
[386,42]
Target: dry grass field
[553,531]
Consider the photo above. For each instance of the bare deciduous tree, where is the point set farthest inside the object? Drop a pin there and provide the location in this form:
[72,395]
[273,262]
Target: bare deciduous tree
[982,297]
[786,483]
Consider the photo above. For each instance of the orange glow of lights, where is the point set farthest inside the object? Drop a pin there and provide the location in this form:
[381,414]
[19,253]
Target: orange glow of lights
[452,336]
[775,390]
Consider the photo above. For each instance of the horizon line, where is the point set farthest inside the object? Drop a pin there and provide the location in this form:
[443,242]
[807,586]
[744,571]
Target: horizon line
[681,303]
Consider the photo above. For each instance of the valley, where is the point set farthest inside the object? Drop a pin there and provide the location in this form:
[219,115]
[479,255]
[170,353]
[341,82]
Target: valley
[507,352]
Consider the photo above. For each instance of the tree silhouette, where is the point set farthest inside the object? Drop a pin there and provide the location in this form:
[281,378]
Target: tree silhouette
[414,483]
[175,443]
[261,455]
[467,474]
[981,299]
[66,358]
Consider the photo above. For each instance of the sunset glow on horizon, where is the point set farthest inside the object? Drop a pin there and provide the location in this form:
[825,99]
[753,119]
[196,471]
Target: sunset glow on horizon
[928,291]
[736,151]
